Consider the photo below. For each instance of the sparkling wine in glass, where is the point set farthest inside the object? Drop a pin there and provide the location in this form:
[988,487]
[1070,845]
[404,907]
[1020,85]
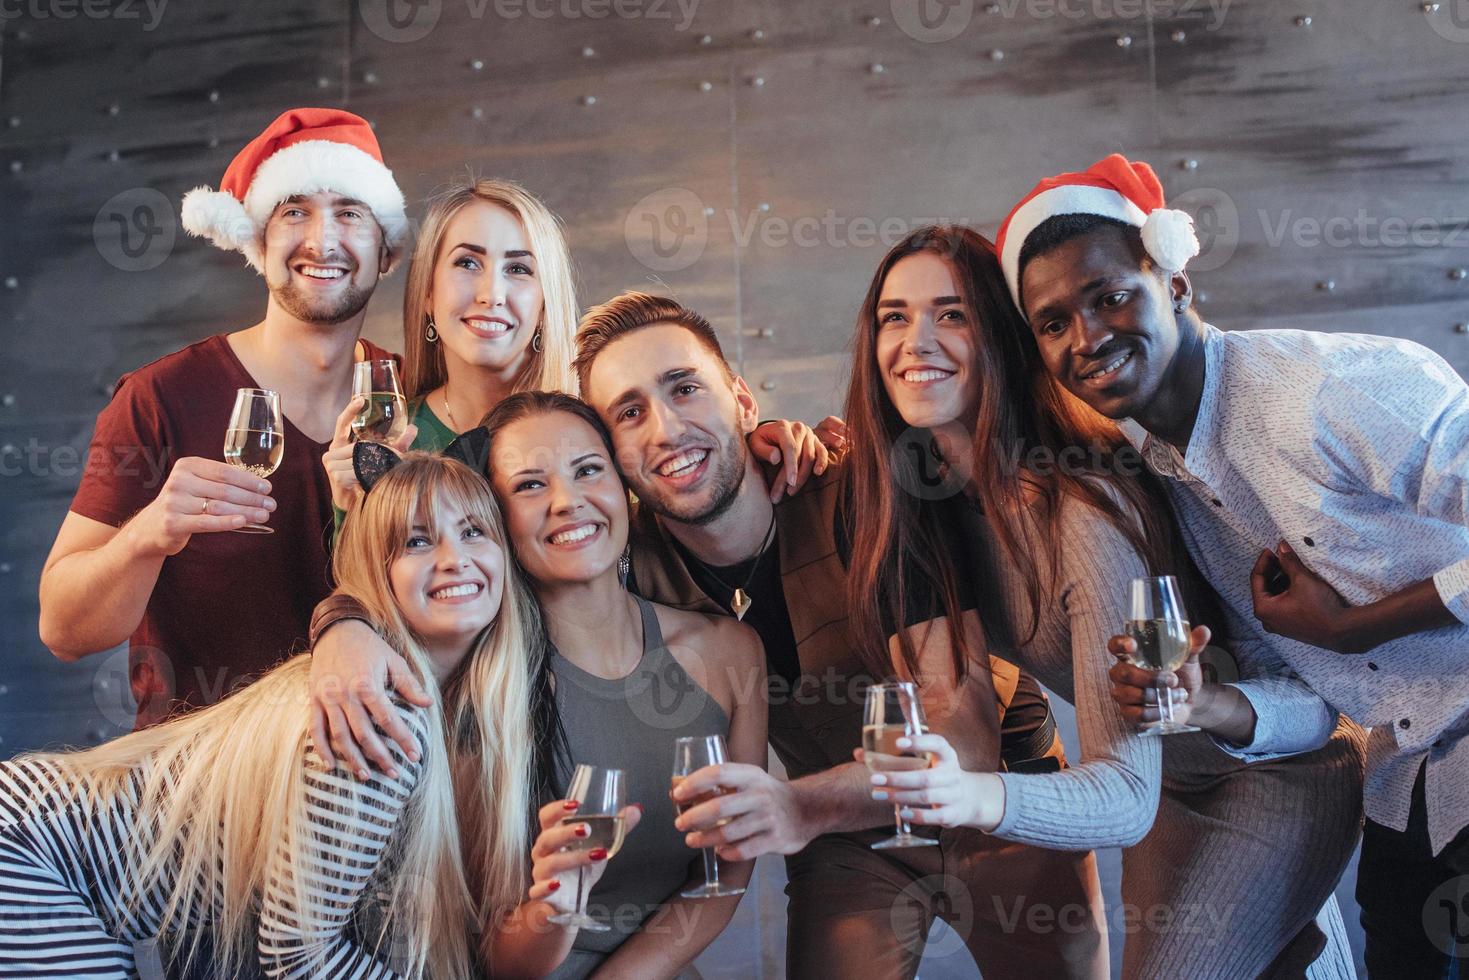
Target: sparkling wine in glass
[384,415]
[602,794]
[689,756]
[894,711]
[256,438]
[1159,626]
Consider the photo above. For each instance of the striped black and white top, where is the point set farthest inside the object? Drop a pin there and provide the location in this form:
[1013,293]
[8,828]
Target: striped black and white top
[70,908]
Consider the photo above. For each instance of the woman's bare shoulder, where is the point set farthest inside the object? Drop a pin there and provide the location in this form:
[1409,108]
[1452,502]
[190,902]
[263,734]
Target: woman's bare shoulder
[723,638]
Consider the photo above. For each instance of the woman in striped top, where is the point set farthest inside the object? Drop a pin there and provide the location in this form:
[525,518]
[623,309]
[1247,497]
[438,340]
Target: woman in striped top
[222,830]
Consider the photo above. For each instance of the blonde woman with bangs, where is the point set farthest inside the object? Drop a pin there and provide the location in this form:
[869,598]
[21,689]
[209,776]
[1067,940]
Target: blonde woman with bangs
[223,830]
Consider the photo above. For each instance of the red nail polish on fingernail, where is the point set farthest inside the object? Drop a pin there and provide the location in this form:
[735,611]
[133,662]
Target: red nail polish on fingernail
[638,805]
[554,885]
[581,830]
[570,805]
[598,854]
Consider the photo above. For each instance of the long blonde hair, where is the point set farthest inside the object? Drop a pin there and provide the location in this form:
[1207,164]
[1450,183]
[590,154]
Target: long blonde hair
[223,786]
[546,370]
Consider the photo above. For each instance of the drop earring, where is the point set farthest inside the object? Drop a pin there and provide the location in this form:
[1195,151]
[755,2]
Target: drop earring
[432,333]
[624,565]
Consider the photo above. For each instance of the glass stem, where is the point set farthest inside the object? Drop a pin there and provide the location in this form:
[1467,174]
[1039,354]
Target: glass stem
[581,894]
[1165,705]
[711,867]
[903,829]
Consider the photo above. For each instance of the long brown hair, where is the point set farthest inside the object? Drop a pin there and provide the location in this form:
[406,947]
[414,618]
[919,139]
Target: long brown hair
[1021,410]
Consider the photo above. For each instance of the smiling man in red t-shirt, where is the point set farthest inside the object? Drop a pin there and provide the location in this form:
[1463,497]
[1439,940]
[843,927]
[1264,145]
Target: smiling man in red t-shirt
[145,551]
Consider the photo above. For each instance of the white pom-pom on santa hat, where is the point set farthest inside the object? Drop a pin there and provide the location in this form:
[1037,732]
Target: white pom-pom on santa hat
[221,218]
[1113,187]
[1168,235]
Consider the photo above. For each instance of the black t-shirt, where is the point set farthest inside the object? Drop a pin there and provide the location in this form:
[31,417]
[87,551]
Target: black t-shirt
[1027,729]
[767,614]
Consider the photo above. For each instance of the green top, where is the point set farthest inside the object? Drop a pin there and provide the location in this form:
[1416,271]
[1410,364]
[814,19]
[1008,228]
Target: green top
[433,436]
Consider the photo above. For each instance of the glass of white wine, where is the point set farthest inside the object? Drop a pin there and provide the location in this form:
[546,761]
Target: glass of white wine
[691,754]
[1158,625]
[893,711]
[256,438]
[602,794]
[384,415]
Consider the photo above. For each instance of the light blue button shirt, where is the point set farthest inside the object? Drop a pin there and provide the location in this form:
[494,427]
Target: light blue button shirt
[1355,450]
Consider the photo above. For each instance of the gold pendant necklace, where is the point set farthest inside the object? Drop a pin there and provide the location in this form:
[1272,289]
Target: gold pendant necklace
[740,601]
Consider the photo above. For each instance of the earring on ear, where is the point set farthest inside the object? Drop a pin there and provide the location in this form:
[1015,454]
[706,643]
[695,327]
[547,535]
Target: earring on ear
[535,342]
[432,333]
[624,565]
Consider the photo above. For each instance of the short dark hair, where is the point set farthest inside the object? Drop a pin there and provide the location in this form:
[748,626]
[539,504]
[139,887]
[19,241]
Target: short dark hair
[632,311]
[1059,229]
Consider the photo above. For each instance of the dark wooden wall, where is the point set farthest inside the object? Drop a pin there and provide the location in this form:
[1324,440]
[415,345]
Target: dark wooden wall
[755,158]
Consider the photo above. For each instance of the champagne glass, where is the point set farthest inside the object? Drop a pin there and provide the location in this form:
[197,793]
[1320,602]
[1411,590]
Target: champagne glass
[256,438]
[689,756]
[1159,626]
[384,415]
[893,711]
[602,794]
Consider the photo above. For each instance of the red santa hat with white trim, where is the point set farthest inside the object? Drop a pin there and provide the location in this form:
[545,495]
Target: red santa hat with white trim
[305,151]
[1111,188]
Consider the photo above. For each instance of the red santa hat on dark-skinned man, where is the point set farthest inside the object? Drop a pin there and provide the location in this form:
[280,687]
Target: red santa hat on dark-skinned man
[1111,188]
[305,151]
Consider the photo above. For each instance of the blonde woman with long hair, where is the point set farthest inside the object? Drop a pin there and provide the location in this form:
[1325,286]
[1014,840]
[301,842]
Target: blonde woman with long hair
[489,309]
[222,830]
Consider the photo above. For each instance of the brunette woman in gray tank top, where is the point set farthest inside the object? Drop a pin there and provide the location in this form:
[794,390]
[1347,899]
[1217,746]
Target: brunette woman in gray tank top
[630,677]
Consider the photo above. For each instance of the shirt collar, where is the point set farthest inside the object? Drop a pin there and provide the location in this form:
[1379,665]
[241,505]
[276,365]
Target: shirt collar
[1198,462]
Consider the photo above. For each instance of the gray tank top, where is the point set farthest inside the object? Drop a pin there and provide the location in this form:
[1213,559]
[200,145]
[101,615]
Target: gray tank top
[630,723]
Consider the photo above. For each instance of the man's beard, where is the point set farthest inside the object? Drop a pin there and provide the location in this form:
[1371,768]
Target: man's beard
[327,312]
[725,482]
